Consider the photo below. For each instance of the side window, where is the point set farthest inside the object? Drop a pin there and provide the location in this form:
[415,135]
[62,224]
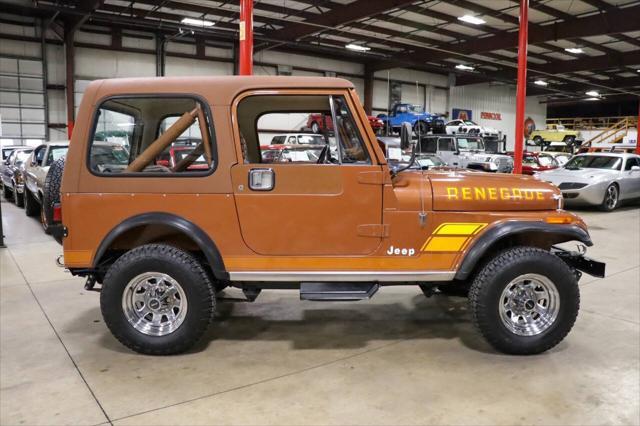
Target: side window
[274,129]
[445,144]
[631,162]
[158,135]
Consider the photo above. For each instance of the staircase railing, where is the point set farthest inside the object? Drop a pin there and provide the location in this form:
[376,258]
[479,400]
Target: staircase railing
[612,134]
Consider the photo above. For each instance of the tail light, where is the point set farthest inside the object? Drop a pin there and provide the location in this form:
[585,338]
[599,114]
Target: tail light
[57,213]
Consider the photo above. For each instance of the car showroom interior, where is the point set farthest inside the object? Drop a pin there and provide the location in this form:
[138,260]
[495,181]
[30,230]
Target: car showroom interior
[320,212]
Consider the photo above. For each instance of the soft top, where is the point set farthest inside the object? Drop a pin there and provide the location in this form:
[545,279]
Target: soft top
[219,90]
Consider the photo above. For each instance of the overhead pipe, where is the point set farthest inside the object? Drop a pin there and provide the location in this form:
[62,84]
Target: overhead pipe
[521,91]
[246,38]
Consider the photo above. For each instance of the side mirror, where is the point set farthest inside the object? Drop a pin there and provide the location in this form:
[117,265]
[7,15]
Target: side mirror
[635,168]
[405,135]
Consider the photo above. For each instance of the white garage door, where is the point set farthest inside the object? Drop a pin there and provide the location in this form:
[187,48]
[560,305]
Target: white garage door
[22,114]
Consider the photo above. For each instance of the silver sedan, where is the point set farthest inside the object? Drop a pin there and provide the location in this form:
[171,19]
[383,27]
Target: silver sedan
[598,179]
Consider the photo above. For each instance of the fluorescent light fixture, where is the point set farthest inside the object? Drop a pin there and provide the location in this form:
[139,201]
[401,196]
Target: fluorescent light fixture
[592,93]
[541,83]
[197,22]
[464,67]
[574,50]
[593,99]
[472,20]
[357,47]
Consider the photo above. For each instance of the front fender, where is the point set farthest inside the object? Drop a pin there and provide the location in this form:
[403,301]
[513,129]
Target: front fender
[492,236]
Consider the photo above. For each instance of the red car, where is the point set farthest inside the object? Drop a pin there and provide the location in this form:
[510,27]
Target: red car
[172,156]
[533,162]
[316,124]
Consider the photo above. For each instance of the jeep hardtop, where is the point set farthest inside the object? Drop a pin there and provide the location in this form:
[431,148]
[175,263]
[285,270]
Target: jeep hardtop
[161,239]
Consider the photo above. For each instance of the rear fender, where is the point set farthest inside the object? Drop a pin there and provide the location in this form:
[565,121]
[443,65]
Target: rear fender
[183,226]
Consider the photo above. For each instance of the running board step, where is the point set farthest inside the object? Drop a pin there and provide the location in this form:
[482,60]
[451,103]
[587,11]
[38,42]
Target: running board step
[328,292]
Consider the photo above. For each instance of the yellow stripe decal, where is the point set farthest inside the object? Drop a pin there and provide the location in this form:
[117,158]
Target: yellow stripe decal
[445,244]
[459,228]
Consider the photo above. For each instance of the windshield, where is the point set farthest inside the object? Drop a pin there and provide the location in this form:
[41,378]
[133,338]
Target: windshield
[417,109]
[429,161]
[594,162]
[21,157]
[470,144]
[545,160]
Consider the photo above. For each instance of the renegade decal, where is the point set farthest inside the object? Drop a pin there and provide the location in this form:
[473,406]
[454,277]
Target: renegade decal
[451,237]
[492,193]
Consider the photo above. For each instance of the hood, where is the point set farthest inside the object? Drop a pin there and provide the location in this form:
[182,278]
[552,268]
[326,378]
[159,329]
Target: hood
[559,175]
[477,191]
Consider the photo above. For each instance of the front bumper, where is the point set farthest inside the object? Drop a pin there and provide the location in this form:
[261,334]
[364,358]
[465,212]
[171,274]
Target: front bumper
[592,195]
[580,262]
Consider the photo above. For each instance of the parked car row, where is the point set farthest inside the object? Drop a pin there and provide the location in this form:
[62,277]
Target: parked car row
[24,172]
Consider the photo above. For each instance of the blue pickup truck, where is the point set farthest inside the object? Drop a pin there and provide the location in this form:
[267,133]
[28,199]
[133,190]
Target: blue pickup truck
[421,121]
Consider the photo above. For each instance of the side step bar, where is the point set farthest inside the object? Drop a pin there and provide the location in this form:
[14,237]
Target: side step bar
[333,291]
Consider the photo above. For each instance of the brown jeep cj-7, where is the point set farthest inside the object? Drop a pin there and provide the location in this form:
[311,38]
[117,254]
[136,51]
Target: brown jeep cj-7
[334,222]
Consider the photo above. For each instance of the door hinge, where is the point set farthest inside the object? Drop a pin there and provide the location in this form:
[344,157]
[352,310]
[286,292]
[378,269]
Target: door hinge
[373,230]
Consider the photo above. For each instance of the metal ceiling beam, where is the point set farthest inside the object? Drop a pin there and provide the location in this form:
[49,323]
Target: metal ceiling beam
[340,15]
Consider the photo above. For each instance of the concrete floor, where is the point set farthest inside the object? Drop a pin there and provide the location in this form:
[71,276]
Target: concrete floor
[398,359]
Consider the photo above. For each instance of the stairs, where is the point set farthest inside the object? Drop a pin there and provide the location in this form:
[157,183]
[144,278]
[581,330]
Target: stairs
[611,135]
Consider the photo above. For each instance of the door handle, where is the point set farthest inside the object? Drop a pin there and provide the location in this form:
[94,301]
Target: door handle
[261,179]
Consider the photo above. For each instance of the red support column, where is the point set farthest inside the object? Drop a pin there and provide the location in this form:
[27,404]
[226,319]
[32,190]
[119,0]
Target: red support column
[246,37]
[521,92]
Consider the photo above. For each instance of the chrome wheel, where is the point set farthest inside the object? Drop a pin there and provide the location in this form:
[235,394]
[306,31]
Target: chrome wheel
[154,304]
[529,305]
[611,197]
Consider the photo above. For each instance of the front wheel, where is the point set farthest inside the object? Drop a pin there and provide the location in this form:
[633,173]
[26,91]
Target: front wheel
[611,198]
[31,206]
[524,301]
[315,127]
[157,299]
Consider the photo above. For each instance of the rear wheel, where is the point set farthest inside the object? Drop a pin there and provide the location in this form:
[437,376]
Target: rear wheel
[157,299]
[31,206]
[537,140]
[524,301]
[6,192]
[315,127]
[611,198]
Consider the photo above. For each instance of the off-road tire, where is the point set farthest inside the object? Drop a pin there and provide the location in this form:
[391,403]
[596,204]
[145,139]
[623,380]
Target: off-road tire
[51,191]
[181,266]
[6,192]
[607,205]
[17,197]
[492,279]
[31,206]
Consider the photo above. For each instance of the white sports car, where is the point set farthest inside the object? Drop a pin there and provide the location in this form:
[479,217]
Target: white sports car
[455,127]
[597,178]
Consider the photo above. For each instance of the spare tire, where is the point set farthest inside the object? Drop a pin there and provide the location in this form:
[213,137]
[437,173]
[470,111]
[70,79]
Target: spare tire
[51,192]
